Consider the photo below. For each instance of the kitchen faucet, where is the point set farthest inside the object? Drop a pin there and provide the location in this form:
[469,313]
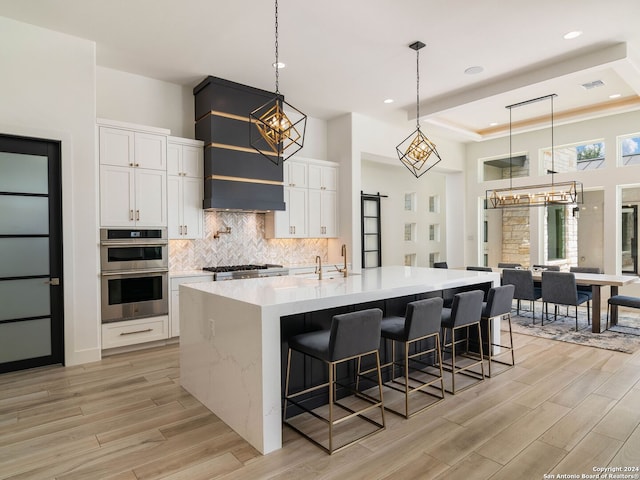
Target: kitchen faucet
[318,267]
[344,270]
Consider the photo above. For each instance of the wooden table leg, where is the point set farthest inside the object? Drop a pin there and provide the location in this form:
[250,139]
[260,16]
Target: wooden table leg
[595,309]
[614,308]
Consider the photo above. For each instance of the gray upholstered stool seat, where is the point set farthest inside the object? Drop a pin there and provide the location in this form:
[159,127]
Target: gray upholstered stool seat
[622,301]
[497,306]
[417,331]
[352,336]
[464,313]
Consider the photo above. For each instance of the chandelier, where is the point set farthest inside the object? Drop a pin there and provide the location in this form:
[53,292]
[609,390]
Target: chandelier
[554,193]
[280,127]
[417,152]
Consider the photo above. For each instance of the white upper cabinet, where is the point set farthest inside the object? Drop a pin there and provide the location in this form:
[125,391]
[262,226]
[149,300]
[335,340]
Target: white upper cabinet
[310,191]
[133,176]
[185,188]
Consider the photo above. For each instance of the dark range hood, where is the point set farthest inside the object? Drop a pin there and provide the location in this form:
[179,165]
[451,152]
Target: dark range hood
[236,177]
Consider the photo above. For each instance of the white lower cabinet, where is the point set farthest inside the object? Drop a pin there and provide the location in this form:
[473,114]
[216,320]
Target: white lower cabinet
[130,332]
[174,299]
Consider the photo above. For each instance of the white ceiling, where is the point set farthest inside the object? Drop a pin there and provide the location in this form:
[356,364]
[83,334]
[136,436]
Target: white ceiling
[349,55]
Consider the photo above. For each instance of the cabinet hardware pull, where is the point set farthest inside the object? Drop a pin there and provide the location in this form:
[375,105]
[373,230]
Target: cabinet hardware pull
[180,229]
[185,229]
[137,331]
[131,164]
[137,164]
[137,214]
[131,215]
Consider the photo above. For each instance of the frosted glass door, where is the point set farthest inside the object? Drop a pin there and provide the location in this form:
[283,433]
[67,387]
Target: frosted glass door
[29,328]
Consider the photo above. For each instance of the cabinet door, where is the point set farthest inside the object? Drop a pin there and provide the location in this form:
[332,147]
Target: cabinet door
[116,147]
[150,151]
[151,198]
[297,207]
[174,319]
[192,161]
[174,158]
[330,178]
[296,174]
[192,213]
[174,217]
[116,196]
[315,213]
[329,212]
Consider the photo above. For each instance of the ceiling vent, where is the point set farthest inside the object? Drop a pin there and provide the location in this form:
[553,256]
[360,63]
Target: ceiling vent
[594,84]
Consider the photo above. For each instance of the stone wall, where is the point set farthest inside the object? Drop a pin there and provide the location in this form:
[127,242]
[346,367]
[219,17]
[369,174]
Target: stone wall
[515,236]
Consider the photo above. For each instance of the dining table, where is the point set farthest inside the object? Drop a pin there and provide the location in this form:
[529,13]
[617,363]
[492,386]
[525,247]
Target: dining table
[597,281]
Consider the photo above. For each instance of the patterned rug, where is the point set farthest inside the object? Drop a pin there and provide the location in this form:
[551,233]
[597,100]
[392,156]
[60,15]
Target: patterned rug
[624,337]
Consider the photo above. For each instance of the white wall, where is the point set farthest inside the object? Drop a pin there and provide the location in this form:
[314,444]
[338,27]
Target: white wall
[48,80]
[394,181]
[127,97]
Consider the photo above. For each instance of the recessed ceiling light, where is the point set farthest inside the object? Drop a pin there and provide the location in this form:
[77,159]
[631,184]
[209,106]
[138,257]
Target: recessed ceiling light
[493,124]
[389,100]
[615,95]
[572,35]
[278,65]
[474,70]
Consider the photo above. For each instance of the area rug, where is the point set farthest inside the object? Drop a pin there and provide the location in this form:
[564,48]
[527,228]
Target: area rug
[624,337]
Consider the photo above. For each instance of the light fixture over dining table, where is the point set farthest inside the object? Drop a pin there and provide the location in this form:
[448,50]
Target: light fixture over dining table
[554,193]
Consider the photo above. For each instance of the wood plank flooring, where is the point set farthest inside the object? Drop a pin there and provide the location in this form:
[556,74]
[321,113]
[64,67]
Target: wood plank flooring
[564,409]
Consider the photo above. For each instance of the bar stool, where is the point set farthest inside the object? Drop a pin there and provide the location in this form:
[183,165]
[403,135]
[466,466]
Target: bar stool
[498,305]
[352,336]
[420,326]
[465,311]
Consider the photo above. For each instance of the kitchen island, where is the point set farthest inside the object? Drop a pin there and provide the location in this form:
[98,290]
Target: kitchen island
[230,336]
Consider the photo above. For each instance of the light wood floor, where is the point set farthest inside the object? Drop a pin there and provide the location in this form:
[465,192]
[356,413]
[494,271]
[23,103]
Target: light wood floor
[564,409]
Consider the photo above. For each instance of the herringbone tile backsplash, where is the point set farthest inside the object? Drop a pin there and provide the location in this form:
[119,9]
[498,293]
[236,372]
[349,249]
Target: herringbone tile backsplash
[245,244]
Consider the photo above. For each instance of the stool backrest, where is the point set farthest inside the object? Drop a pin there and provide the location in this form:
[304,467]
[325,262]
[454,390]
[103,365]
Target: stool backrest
[423,318]
[467,307]
[499,301]
[354,333]
[559,288]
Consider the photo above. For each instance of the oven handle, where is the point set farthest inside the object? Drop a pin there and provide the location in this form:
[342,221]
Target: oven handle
[134,244]
[134,272]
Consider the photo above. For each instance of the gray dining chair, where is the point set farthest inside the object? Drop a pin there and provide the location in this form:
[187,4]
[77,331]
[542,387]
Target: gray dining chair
[560,288]
[440,265]
[525,289]
[586,289]
[548,268]
[509,265]
[480,269]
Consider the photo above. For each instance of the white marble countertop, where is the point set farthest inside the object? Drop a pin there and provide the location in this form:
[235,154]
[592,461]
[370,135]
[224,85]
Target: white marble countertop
[305,294]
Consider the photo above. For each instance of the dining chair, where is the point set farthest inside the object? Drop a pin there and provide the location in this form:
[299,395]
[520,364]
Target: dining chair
[560,288]
[586,289]
[440,265]
[480,269]
[525,289]
[509,265]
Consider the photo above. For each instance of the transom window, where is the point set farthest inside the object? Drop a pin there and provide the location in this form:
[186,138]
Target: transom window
[574,157]
[630,149]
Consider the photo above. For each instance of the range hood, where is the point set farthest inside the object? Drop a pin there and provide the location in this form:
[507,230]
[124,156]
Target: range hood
[236,176]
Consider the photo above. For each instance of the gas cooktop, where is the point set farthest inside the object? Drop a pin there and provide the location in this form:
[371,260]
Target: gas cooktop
[230,272]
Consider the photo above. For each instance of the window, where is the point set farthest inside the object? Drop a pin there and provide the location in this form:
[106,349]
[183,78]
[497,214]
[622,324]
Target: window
[409,202]
[629,149]
[434,204]
[410,232]
[410,260]
[433,258]
[504,167]
[434,232]
[556,232]
[574,157]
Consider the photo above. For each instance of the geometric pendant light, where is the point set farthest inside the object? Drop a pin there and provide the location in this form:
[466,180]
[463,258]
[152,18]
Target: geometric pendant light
[417,152]
[280,127]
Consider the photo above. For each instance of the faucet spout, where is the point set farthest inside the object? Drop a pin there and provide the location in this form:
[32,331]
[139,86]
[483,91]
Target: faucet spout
[319,267]
[344,270]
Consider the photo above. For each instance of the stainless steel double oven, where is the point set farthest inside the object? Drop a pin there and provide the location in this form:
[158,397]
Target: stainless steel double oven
[134,270]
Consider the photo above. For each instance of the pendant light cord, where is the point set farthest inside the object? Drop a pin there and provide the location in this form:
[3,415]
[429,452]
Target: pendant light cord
[276,44]
[418,89]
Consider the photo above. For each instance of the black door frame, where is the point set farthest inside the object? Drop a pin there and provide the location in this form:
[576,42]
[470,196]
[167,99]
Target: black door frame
[52,149]
[634,240]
